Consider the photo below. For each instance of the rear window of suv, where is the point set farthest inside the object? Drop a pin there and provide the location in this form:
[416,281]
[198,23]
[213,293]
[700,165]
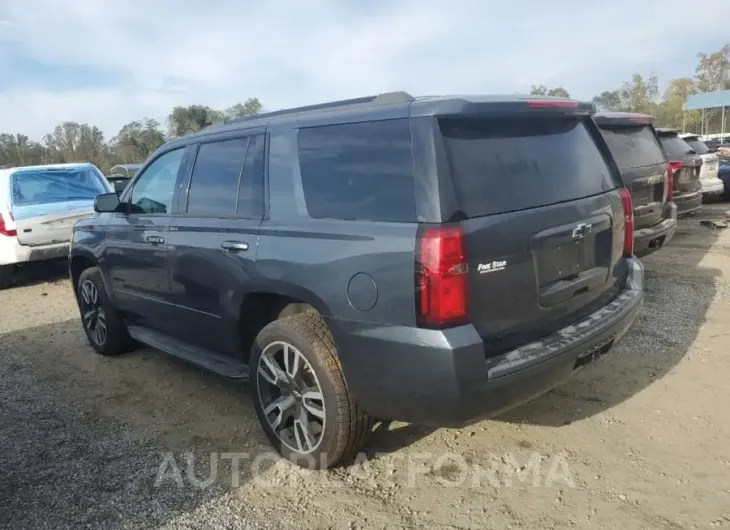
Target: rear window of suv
[675,146]
[698,145]
[632,146]
[507,164]
[360,171]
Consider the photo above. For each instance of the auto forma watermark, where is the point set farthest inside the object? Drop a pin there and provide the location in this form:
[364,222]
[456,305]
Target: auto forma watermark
[449,470]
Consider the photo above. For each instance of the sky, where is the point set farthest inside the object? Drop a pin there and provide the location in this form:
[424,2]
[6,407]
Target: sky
[109,62]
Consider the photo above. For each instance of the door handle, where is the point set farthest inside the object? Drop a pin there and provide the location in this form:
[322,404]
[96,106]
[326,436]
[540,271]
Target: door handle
[155,240]
[234,246]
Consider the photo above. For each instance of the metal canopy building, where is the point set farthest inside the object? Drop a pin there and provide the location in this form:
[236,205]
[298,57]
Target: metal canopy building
[708,100]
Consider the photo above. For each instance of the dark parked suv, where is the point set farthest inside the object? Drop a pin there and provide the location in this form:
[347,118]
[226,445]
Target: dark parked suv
[685,166]
[429,260]
[645,173]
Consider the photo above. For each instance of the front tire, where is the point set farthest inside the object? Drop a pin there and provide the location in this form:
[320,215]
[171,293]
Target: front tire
[104,329]
[300,394]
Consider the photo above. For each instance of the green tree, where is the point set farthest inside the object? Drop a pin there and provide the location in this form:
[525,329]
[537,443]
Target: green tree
[137,140]
[187,120]
[609,101]
[639,95]
[248,108]
[542,90]
[713,70]
[669,110]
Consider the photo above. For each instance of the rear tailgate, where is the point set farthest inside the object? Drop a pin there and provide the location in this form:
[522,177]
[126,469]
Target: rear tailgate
[686,179]
[643,167]
[545,227]
[50,228]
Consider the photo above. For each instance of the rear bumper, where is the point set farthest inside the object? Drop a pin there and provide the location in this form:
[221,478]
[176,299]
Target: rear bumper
[12,252]
[442,377]
[688,203]
[713,186]
[648,240]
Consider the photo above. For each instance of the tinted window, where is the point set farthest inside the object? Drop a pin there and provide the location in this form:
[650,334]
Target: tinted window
[501,165]
[698,145]
[251,192]
[358,171]
[214,184]
[633,146]
[153,191]
[675,146]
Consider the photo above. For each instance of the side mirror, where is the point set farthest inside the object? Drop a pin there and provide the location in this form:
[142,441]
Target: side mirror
[106,202]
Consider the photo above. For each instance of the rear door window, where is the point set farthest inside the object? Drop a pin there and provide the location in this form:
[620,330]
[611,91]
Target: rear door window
[508,164]
[358,171]
[633,146]
[675,146]
[698,145]
[216,174]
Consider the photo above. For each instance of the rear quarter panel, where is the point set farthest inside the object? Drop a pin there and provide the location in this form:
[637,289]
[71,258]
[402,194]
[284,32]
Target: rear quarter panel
[353,270]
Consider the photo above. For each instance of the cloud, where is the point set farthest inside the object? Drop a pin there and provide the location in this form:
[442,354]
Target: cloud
[163,53]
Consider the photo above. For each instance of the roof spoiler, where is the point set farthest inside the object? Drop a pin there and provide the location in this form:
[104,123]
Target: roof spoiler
[623,118]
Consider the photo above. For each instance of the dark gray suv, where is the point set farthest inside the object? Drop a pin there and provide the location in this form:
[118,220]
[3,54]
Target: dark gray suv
[431,260]
[646,173]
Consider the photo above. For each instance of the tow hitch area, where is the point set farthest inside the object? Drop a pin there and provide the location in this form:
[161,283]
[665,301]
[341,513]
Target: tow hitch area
[658,242]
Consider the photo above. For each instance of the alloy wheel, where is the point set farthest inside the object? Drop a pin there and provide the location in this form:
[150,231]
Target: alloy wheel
[291,397]
[92,313]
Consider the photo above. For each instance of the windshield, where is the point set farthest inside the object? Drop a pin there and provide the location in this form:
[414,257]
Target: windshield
[698,145]
[675,146]
[47,186]
[507,164]
[633,146]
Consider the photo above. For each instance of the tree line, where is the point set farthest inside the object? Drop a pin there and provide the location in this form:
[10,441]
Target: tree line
[82,142]
[76,142]
[641,94]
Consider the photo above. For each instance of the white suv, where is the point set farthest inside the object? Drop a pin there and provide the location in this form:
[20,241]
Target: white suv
[38,208]
[711,185]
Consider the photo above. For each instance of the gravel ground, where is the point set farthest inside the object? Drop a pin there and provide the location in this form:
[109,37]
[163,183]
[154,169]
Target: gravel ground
[636,440]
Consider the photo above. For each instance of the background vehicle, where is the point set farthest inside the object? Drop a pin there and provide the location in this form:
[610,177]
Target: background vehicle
[118,181]
[711,185]
[121,174]
[716,143]
[126,170]
[645,173]
[38,207]
[724,175]
[685,164]
[429,260]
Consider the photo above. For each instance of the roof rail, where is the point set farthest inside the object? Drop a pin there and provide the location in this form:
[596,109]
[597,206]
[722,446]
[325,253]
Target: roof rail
[388,98]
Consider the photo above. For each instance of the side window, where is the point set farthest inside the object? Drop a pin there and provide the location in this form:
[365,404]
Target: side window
[358,171]
[153,191]
[251,192]
[214,184]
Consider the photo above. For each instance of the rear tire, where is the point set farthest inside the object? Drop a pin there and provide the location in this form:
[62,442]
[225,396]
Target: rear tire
[104,329]
[7,272]
[309,415]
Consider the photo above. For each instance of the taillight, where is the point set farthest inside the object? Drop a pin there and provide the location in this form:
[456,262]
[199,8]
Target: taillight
[672,168]
[628,223]
[441,278]
[4,230]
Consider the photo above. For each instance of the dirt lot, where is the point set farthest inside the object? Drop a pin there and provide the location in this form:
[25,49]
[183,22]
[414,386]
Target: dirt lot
[640,439]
